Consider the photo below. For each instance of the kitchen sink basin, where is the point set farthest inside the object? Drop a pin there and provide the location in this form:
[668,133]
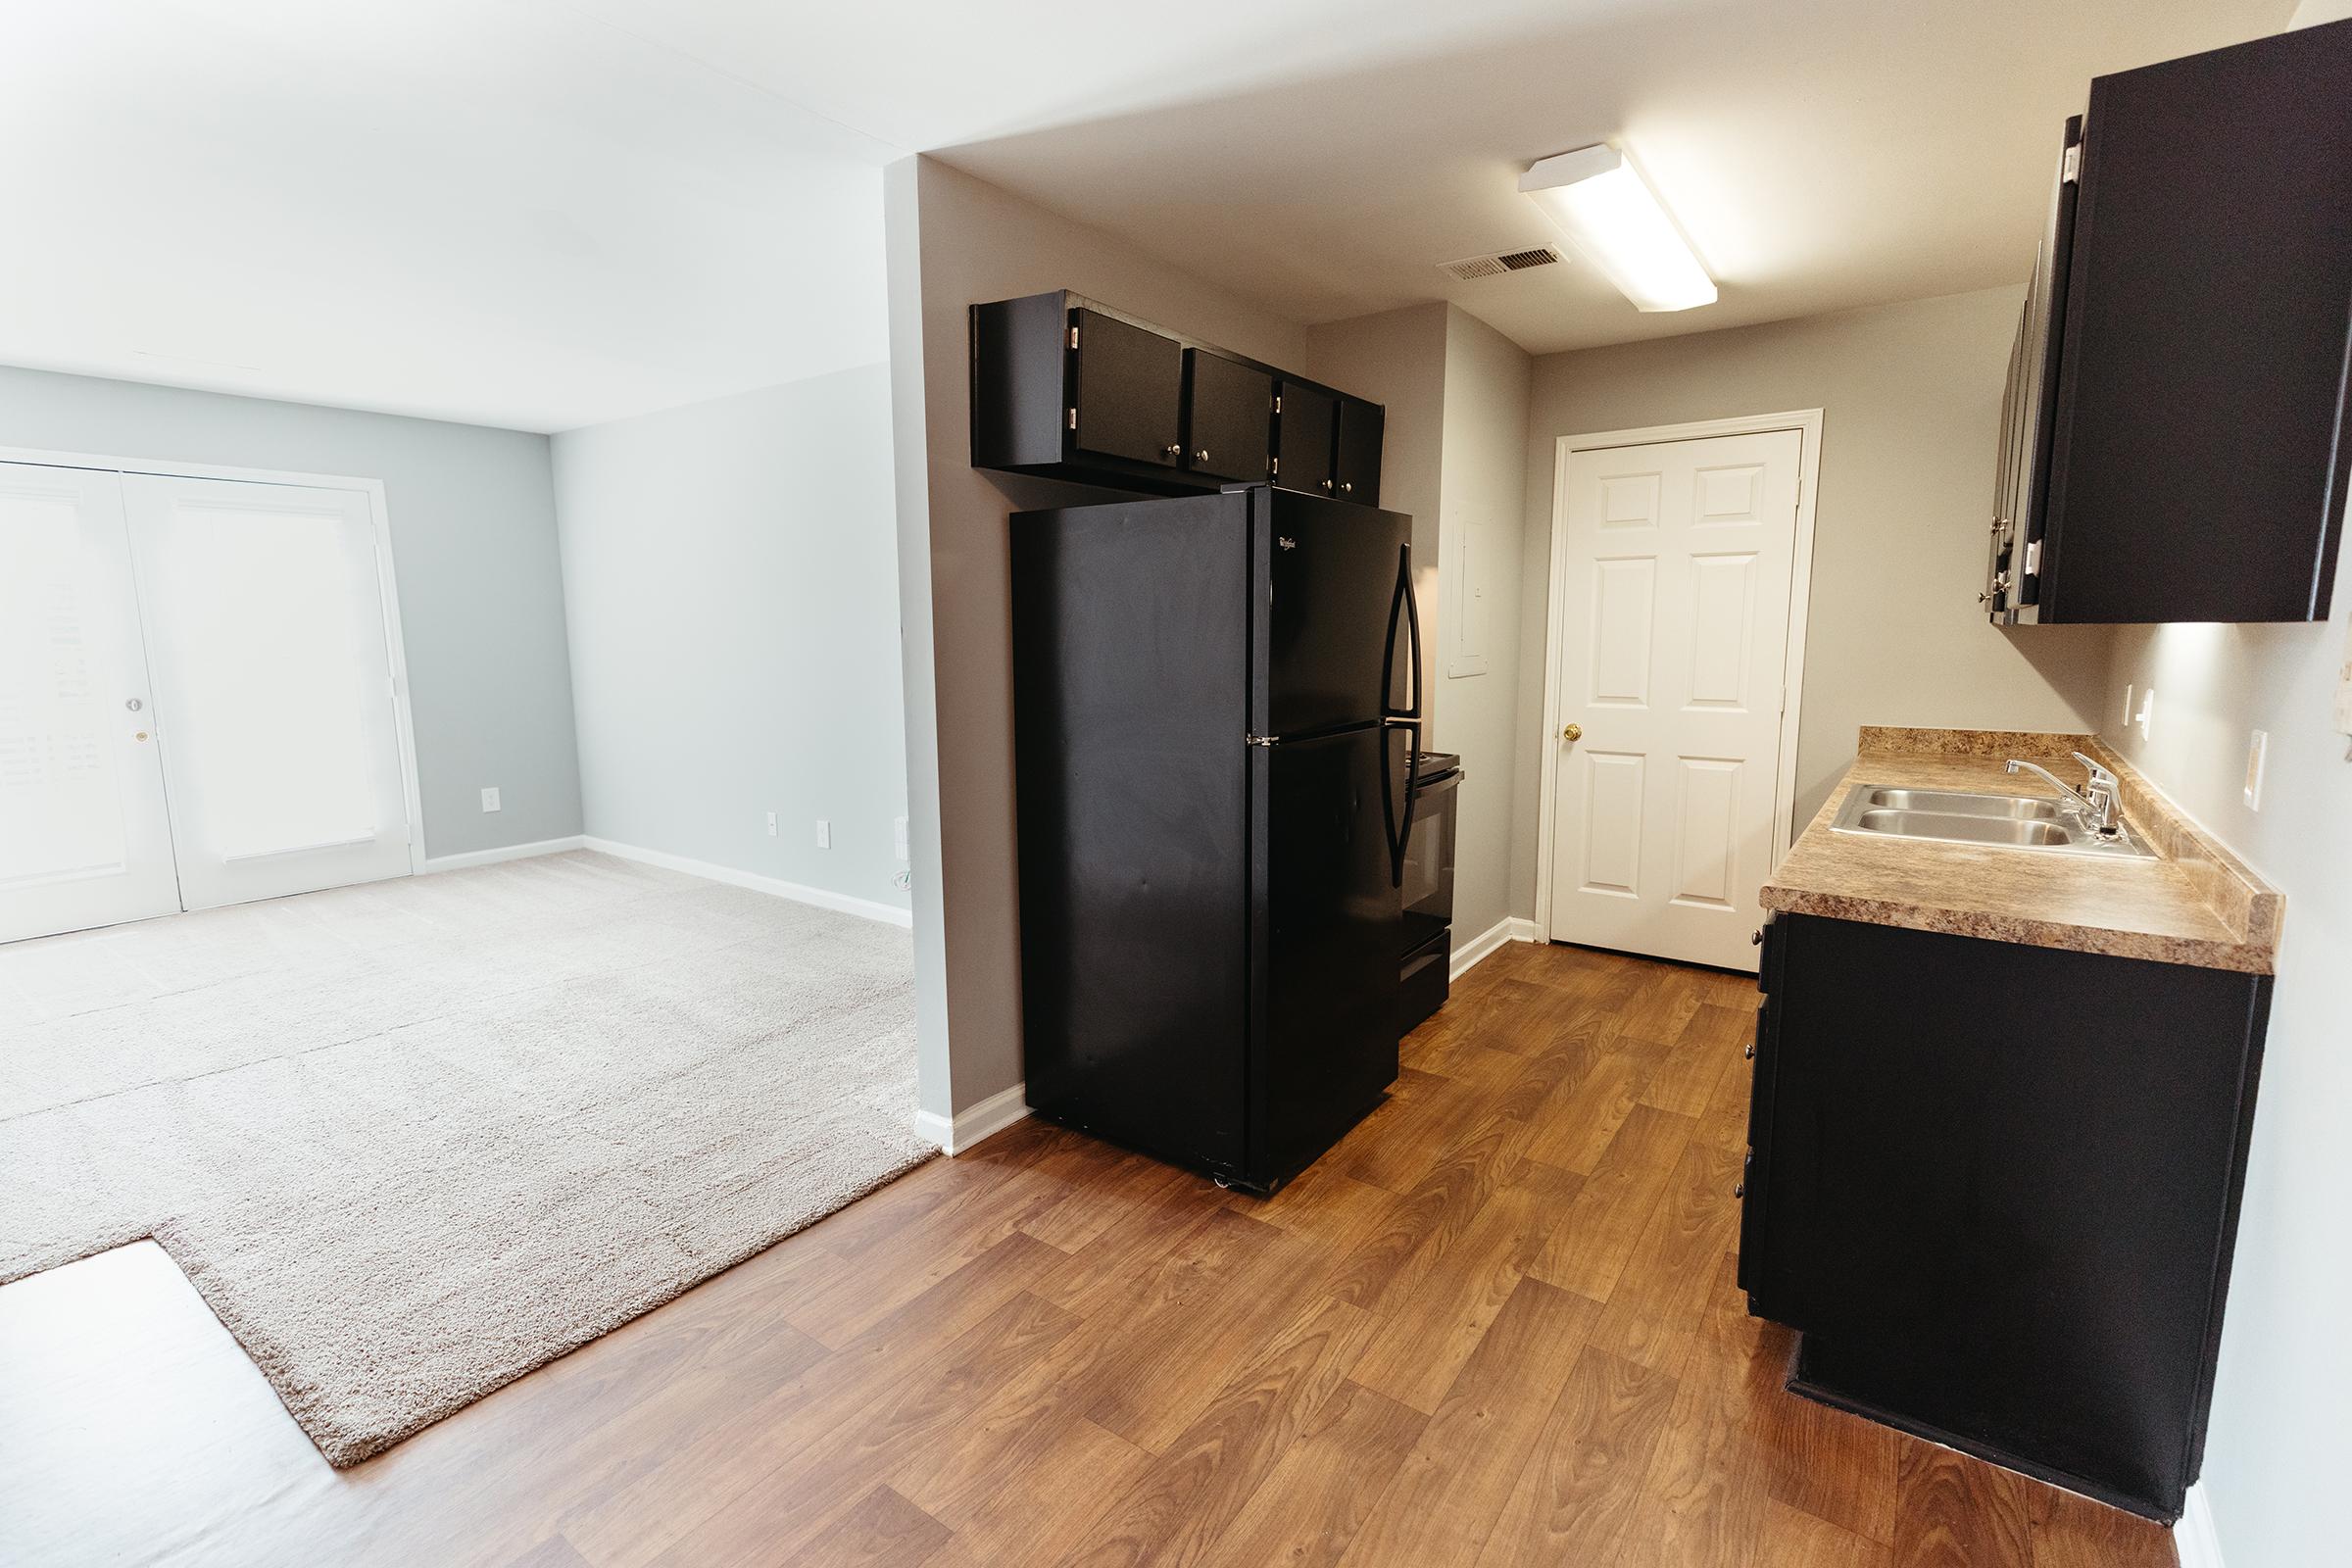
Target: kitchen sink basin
[1958,803]
[1959,816]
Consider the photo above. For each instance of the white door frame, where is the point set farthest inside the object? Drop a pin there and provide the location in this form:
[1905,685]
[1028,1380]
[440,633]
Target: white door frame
[1807,423]
[412,798]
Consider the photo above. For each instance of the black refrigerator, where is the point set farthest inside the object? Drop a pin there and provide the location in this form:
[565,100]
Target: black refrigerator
[1215,711]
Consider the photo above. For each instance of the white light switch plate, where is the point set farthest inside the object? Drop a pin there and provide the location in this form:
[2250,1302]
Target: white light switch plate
[2128,690]
[2147,712]
[772,824]
[824,834]
[490,799]
[2258,756]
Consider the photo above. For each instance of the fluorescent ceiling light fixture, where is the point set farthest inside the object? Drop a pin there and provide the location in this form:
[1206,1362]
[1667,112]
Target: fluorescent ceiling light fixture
[1615,222]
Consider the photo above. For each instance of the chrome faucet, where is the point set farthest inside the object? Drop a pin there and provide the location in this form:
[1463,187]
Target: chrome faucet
[2097,798]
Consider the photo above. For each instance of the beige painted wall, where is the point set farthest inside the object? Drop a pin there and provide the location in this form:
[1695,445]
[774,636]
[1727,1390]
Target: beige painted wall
[955,241]
[1481,520]
[1910,395]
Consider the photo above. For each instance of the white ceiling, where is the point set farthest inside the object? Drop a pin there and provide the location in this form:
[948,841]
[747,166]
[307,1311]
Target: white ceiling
[547,213]
[1820,154]
[498,211]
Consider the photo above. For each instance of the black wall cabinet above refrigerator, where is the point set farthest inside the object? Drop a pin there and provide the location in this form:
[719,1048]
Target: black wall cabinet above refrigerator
[1071,389]
[2176,445]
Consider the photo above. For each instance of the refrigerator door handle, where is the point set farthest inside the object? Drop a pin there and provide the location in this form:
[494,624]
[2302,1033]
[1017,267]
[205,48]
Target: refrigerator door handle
[1412,624]
[1403,599]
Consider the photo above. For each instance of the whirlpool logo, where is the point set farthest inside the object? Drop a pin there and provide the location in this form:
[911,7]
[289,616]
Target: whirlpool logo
[1286,541]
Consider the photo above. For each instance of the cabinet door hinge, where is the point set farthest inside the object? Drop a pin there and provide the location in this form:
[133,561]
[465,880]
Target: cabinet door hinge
[2070,168]
[1073,335]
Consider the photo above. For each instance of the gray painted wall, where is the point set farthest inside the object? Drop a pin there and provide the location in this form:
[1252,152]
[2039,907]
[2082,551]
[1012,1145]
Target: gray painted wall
[1481,520]
[1455,458]
[1397,360]
[730,575]
[473,547]
[1910,395]
[954,241]
[2278,1448]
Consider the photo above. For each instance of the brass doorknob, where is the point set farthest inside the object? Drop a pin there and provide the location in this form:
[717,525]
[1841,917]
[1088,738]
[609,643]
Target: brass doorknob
[1574,732]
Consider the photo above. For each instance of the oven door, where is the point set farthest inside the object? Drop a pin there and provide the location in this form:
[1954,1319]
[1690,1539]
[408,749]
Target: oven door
[1429,862]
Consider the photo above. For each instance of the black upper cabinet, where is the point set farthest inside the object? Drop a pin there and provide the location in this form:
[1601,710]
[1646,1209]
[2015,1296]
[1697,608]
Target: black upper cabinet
[1071,389]
[1127,388]
[1228,418]
[1310,421]
[1355,472]
[2198,450]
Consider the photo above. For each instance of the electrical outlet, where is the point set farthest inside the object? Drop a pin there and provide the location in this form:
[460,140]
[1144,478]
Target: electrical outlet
[2147,712]
[772,824]
[824,834]
[490,799]
[899,839]
[2129,689]
[2257,754]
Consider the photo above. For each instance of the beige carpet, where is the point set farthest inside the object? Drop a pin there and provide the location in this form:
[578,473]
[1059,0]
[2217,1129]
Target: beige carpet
[412,1140]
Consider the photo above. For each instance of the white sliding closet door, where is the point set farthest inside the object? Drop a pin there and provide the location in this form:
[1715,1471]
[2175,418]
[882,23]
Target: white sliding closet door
[83,840]
[265,616]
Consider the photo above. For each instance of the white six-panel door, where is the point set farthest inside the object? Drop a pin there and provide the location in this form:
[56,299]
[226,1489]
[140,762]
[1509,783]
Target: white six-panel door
[1675,620]
[82,835]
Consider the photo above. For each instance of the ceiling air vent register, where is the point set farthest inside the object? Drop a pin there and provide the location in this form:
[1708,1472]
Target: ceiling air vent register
[1474,267]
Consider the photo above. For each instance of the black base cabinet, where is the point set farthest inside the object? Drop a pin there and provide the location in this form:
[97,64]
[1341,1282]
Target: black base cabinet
[1996,1189]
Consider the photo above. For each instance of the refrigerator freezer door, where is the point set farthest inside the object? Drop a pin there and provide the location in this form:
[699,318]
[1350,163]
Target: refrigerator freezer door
[1327,930]
[1331,631]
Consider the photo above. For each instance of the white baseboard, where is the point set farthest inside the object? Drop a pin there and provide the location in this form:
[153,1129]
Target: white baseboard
[975,1122]
[822,898]
[2193,1538]
[1489,941]
[505,851]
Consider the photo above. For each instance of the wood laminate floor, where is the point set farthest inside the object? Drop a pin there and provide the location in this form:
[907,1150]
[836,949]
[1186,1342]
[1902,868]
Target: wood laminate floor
[1496,1326]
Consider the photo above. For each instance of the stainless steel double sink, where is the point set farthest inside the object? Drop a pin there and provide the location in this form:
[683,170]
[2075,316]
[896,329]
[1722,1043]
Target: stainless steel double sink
[1961,817]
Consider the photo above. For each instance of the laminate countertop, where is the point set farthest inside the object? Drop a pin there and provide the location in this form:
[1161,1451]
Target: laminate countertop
[2194,903]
